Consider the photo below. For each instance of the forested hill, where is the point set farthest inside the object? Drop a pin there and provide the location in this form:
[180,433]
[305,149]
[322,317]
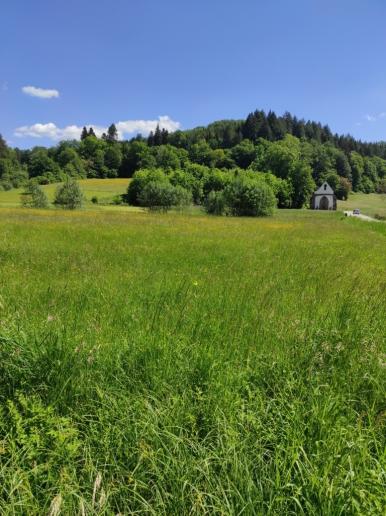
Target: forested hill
[228,133]
[297,153]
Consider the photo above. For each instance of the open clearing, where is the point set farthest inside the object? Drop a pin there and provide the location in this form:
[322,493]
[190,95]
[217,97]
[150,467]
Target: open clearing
[106,189]
[166,364]
[369,204]
[103,189]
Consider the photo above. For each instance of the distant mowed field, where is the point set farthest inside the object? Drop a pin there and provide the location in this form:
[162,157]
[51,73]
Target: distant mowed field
[167,364]
[369,204]
[103,189]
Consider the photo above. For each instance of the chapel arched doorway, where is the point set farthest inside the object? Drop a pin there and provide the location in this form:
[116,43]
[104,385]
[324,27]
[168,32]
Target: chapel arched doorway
[323,205]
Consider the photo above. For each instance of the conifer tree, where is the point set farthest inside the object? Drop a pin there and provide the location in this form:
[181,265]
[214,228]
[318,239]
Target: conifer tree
[250,127]
[150,139]
[112,133]
[157,136]
[288,122]
[277,126]
[164,136]
[264,130]
[298,128]
[84,133]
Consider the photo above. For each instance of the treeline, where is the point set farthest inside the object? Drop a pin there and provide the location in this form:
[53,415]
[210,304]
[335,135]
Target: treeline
[298,154]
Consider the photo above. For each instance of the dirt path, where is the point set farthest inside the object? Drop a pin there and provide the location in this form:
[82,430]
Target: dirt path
[363,217]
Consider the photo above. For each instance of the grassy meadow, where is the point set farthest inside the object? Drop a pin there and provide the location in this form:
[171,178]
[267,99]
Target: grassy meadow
[104,189]
[369,204]
[167,364]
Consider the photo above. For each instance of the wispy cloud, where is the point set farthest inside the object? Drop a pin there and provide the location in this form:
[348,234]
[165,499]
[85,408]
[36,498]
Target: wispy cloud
[4,86]
[145,126]
[40,92]
[374,118]
[72,132]
[49,130]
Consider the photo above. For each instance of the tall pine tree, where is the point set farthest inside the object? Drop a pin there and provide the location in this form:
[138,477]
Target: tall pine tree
[277,126]
[164,136]
[150,139]
[112,133]
[158,136]
[84,133]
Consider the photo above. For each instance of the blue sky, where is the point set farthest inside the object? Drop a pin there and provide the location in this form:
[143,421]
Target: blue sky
[189,62]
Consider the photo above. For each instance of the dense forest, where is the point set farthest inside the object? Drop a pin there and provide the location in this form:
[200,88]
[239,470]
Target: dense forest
[291,155]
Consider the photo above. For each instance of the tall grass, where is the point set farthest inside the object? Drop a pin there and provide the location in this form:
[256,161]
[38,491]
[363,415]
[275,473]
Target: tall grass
[164,364]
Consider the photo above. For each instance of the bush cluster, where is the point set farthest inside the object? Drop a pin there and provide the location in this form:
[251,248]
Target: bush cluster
[248,197]
[157,195]
[34,196]
[69,195]
[234,192]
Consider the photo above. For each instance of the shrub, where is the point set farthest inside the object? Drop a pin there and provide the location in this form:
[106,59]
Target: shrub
[381,186]
[160,195]
[157,195]
[94,199]
[118,200]
[42,180]
[343,189]
[140,179]
[282,188]
[70,170]
[188,182]
[215,180]
[247,197]
[366,185]
[182,197]
[111,173]
[69,195]
[215,203]
[33,196]
[6,185]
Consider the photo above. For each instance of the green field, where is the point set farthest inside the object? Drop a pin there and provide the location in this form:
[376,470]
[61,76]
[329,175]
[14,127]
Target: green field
[103,189]
[166,364]
[106,189]
[369,204]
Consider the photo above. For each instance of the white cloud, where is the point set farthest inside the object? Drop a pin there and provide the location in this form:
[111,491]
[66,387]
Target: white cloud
[51,131]
[145,126]
[374,118]
[40,92]
[72,132]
